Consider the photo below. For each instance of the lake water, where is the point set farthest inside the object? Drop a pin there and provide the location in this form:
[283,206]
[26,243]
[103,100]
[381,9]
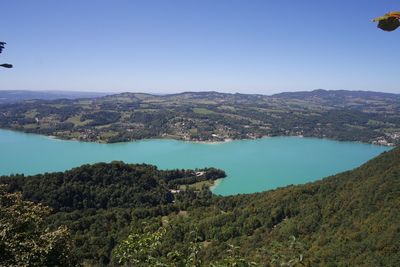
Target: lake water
[251,165]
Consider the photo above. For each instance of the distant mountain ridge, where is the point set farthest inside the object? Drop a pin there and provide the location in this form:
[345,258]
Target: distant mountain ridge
[338,98]
[289,94]
[12,96]
[322,93]
[8,96]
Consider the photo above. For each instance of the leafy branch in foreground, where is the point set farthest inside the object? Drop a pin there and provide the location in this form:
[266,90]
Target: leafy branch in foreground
[24,239]
[5,65]
[233,259]
[389,22]
[145,248]
[288,254]
[141,249]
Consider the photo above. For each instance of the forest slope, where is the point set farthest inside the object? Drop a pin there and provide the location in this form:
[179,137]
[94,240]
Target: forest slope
[349,219]
[98,202]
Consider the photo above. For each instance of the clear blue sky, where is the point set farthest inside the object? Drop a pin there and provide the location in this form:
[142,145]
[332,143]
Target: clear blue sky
[166,46]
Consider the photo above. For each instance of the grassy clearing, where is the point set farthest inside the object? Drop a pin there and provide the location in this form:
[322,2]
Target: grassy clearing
[203,111]
[58,105]
[193,131]
[106,135]
[76,120]
[31,114]
[30,126]
[228,108]
[197,186]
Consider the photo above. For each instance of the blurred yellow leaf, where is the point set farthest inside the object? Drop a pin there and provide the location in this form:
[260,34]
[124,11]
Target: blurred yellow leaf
[389,21]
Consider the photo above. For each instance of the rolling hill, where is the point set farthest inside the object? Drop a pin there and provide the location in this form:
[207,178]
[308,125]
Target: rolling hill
[212,116]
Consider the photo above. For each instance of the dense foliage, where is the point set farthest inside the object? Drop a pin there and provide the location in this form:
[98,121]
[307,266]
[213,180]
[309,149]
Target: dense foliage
[98,202]
[103,185]
[210,116]
[24,238]
[347,219]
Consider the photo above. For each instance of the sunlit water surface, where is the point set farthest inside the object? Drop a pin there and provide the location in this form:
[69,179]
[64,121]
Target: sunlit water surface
[251,165]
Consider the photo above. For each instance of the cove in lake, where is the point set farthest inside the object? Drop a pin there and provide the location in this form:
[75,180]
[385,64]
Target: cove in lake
[251,165]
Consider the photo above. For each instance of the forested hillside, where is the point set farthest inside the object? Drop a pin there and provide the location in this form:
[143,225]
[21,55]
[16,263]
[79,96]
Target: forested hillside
[350,219]
[211,116]
[98,202]
[347,219]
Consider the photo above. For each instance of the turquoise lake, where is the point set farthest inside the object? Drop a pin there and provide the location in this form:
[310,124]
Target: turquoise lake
[251,165]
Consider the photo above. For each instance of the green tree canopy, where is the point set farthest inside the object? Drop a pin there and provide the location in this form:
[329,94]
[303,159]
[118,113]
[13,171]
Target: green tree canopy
[24,240]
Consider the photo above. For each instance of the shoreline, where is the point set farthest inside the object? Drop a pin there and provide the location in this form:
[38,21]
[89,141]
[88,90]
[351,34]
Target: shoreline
[208,142]
[216,183]
[227,140]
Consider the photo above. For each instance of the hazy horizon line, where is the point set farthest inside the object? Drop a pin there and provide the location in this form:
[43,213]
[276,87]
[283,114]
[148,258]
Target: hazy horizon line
[186,91]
